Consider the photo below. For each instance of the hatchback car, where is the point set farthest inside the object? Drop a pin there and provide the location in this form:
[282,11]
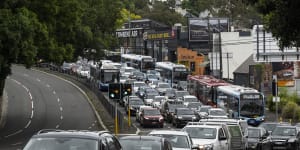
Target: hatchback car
[137,142]
[72,140]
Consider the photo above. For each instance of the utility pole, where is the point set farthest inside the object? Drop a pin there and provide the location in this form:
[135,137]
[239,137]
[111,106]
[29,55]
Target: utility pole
[228,56]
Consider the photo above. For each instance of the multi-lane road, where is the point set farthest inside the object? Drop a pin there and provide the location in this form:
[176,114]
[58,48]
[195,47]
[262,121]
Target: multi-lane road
[37,100]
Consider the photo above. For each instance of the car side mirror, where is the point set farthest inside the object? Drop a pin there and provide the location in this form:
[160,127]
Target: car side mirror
[195,147]
[221,138]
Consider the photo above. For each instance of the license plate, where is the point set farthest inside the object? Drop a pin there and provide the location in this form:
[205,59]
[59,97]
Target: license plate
[279,143]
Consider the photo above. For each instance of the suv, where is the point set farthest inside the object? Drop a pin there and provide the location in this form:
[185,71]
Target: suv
[49,139]
[182,116]
[168,108]
[151,117]
[285,137]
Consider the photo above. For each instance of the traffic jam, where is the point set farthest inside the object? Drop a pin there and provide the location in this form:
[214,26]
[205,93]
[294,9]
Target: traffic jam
[188,111]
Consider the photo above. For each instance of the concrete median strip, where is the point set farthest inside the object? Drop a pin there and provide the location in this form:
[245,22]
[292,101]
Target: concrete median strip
[3,109]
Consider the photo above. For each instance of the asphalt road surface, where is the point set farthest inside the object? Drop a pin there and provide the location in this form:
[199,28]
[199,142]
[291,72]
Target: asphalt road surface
[41,101]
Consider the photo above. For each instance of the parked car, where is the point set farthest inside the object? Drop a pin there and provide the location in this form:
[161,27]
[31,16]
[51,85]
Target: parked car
[182,116]
[151,117]
[138,142]
[179,140]
[258,139]
[72,140]
[285,137]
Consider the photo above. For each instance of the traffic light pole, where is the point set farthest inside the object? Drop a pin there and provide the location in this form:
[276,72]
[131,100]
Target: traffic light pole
[129,119]
[116,118]
[276,99]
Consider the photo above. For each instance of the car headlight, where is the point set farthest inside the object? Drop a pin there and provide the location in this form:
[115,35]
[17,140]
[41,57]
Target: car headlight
[206,147]
[179,117]
[161,118]
[194,118]
[146,118]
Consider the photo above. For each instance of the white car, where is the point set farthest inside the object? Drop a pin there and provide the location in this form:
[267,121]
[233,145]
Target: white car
[207,137]
[157,101]
[137,84]
[189,98]
[179,140]
[217,113]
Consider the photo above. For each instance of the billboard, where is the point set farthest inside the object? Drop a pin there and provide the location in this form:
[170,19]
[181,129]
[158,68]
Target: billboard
[200,28]
[284,72]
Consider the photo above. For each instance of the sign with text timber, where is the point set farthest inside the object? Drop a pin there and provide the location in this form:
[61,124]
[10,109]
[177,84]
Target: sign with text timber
[134,32]
[284,72]
[201,28]
[162,35]
[266,47]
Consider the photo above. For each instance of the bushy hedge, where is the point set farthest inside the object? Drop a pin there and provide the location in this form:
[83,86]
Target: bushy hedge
[288,106]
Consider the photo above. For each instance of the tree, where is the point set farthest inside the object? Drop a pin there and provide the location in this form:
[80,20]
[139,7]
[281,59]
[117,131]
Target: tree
[281,18]
[19,34]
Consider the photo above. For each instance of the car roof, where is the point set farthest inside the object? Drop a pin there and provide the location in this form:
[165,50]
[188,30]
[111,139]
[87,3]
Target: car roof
[70,133]
[141,137]
[168,132]
[189,96]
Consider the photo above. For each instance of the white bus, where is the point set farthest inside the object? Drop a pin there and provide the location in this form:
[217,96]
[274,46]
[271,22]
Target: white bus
[172,73]
[108,73]
[140,62]
[241,103]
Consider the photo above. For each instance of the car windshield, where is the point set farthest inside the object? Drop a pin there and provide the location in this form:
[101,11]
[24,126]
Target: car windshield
[201,132]
[152,76]
[190,99]
[269,126]
[217,113]
[185,112]
[62,143]
[181,93]
[139,84]
[164,86]
[253,133]
[140,144]
[284,131]
[204,109]
[149,112]
[194,105]
[177,141]
[139,102]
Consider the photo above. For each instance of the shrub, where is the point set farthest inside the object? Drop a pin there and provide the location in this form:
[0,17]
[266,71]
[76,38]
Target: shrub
[291,111]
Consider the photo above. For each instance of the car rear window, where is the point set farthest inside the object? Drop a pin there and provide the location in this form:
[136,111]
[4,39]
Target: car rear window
[235,131]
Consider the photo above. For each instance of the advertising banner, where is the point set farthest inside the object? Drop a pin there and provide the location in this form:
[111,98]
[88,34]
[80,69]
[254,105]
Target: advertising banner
[284,72]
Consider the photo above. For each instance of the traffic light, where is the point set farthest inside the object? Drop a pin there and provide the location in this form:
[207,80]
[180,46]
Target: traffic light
[274,88]
[126,89]
[114,91]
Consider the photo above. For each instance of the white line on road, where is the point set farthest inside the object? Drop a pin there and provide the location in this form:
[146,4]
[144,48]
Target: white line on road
[27,125]
[58,99]
[57,126]
[38,80]
[14,133]
[30,96]
[61,117]
[48,85]
[26,75]
[60,108]
[54,92]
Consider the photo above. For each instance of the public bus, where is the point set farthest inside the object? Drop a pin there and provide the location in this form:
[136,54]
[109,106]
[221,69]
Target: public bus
[106,74]
[241,103]
[140,62]
[204,87]
[172,73]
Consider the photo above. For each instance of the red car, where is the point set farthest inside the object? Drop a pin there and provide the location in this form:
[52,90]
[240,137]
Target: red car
[151,117]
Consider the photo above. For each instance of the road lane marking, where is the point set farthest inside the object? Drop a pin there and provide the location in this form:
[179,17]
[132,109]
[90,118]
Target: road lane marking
[54,92]
[38,80]
[57,126]
[26,75]
[30,96]
[27,125]
[14,133]
[58,100]
[61,109]
[61,117]
[47,85]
